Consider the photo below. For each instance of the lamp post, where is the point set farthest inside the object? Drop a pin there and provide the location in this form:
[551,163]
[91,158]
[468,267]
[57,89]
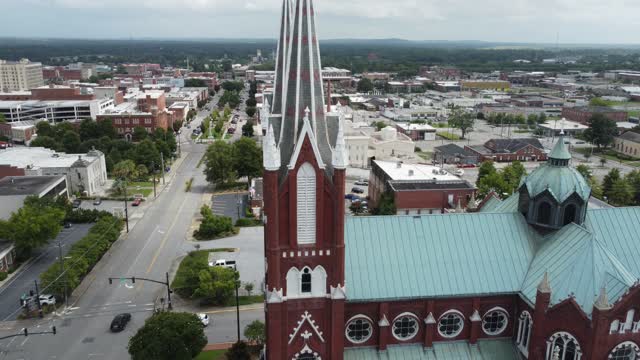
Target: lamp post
[237,302]
[126,210]
[66,297]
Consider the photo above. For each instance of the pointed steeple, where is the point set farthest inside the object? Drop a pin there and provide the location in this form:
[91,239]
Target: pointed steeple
[304,86]
[544,286]
[270,153]
[602,302]
[560,155]
[280,86]
[340,154]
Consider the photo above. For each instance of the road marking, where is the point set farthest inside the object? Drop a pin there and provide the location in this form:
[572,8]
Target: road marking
[234,310]
[166,236]
[24,342]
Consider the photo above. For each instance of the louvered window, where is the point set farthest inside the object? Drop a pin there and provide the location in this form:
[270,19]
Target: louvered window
[306,180]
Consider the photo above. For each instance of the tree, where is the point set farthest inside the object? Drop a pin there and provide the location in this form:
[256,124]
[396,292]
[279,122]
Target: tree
[248,287]
[598,102]
[247,158]
[379,125]
[256,333]
[125,170]
[139,133]
[462,120]
[168,336]
[601,131]
[485,169]
[251,111]
[386,205]
[251,102]
[365,85]
[542,118]
[532,120]
[146,153]
[603,161]
[89,129]
[494,182]
[356,208]
[607,183]
[584,171]
[33,226]
[195,83]
[247,129]
[633,179]
[107,129]
[43,128]
[71,142]
[3,120]
[238,351]
[219,167]
[217,285]
[513,173]
[45,142]
[621,193]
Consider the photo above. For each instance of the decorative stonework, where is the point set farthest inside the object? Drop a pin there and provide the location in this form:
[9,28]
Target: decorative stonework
[271,154]
[430,319]
[275,296]
[475,317]
[384,322]
[338,292]
[306,317]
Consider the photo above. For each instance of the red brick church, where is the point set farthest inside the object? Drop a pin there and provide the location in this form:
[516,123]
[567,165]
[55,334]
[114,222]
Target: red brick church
[536,276]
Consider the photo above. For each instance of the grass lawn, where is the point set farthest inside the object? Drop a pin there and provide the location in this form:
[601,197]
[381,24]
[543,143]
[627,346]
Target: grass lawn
[248,300]
[610,155]
[447,135]
[211,355]
[141,184]
[144,191]
[425,155]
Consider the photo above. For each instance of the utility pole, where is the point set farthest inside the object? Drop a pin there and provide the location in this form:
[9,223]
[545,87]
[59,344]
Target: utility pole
[162,161]
[238,308]
[153,173]
[169,306]
[66,297]
[126,210]
[38,300]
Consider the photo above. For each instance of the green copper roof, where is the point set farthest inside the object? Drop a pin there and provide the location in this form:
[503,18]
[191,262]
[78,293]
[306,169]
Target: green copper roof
[400,257]
[578,265]
[509,204]
[453,350]
[560,150]
[561,181]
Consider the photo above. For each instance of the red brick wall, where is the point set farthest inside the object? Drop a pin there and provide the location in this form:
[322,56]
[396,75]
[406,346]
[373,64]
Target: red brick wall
[60,94]
[583,116]
[6,170]
[430,199]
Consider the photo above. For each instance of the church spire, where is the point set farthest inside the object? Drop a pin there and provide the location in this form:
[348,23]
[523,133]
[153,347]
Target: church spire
[280,86]
[560,155]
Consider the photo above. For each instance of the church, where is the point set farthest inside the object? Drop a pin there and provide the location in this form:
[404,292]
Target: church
[537,276]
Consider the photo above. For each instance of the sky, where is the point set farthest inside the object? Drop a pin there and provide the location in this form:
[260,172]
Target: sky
[529,21]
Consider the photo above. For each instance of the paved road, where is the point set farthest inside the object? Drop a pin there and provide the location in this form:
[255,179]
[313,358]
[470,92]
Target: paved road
[23,280]
[148,251]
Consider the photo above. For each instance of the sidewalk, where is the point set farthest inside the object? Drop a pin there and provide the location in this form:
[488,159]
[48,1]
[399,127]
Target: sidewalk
[221,346]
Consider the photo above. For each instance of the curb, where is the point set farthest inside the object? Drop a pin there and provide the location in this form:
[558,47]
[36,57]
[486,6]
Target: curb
[220,346]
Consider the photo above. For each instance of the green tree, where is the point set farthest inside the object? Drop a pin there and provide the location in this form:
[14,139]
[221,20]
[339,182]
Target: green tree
[125,170]
[485,169]
[598,102]
[542,118]
[168,336]
[365,85]
[251,111]
[601,131]
[247,129]
[146,153]
[532,120]
[89,129]
[513,173]
[219,167]
[71,142]
[46,142]
[251,102]
[462,120]
[493,182]
[43,128]
[607,183]
[3,120]
[217,285]
[256,333]
[386,205]
[139,133]
[238,351]
[247,158]
[621,193]
[106,128]
[584,170]
[33,226]
[633,179]
[248,287]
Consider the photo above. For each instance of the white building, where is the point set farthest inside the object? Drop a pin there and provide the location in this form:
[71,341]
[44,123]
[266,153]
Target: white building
[85,173]
[53,110]
[20,75]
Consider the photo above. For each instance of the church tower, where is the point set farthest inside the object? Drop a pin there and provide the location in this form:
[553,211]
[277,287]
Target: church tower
[305,161]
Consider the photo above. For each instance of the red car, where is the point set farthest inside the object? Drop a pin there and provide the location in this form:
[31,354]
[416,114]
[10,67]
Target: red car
[465,166]
[136,202]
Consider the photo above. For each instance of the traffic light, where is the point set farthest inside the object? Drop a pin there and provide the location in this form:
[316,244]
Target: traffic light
[26,332]
[110,281]
[53,330]
[133,280]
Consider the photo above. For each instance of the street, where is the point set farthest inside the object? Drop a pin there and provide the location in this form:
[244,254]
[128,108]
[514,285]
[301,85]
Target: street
[150,250]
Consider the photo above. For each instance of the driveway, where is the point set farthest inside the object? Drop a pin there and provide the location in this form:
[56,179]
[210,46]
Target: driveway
[23,281]
[231,205]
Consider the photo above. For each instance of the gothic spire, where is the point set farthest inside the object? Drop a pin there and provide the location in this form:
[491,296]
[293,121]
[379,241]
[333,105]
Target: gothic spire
[280,85]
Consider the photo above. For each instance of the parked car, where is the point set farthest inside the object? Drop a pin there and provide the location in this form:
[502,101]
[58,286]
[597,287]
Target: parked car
[357,190]
[231,131]
[76,203]
[67,225]
[97,201]
[465,166]
[136,202]
[47,300]
[362,183]
[204,318]
[229,264]
[120,322]
[352,197]
[459,172]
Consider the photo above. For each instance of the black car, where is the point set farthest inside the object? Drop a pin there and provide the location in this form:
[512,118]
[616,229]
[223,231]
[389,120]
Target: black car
[120,322]
[76,203]
[357,190]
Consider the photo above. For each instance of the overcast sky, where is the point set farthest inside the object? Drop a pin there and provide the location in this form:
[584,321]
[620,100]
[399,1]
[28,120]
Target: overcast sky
[575,21]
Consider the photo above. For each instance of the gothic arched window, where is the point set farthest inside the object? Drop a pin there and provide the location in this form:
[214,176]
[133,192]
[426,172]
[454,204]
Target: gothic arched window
[563,346]
[306,188]
[524,332]
[569,214]
[544,213]
[305,281]
[625,351]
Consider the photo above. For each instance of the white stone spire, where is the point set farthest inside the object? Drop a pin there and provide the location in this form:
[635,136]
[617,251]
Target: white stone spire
[340,158]
[270,153]
[264,114]
[602,302]
[545,287]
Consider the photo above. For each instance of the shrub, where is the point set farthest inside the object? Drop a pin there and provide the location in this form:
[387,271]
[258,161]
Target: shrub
[256,333]
[239,351]
[213,226]
[3,275]
[85,216]
[248,222]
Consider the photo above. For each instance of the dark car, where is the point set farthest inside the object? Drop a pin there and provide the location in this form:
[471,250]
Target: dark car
[357,190]
[67,225]
[120,322]
[352,197]
[76,203]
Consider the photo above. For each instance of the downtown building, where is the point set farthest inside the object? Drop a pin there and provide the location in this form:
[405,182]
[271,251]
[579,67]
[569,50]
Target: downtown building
[536,276]
[20,75]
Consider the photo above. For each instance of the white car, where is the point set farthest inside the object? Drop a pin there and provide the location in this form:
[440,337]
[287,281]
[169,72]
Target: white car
[459,172]
[204,318]
[47,300]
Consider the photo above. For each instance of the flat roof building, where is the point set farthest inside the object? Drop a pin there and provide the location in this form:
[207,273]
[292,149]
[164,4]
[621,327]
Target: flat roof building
[14,189]
[20,75]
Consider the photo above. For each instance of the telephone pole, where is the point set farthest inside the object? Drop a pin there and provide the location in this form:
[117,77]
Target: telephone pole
[162,161]
[66,297]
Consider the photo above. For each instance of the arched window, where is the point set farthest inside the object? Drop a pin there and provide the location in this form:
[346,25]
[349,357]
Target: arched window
[319,281]
[305,281]
[563,346]
[544,213]
[293,283]
[359,329]
[524,332]
[570,214]
[306,183]
[495,321]
[625,351]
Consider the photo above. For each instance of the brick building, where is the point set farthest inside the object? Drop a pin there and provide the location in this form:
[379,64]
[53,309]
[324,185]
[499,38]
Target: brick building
[148,111]
[584,114]
[508,150]
[537,276]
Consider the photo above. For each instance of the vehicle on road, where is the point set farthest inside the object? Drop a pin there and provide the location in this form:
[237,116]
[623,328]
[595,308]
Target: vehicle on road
[204,318]
[76,203]
[229,264]
[46,299]
[352,197]
[231,131]
[459,172]
[136,202]
[466,166]
[362,183]
[120,322]
[67,225]
[357,190]
[97,201]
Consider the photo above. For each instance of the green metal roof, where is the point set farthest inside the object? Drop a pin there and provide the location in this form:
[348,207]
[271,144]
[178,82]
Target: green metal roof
[560,181]
[509,204]
[560,150]
[491,204]
[400,257]
[577,265]
[454,350]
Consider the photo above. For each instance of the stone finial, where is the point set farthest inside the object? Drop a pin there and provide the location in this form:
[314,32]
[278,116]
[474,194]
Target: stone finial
[338,292]
[271,155]
[472,202]
[475,317]
[384,322]
[340,158]
[275,296]
[602,301]
[544,286]
[430,319]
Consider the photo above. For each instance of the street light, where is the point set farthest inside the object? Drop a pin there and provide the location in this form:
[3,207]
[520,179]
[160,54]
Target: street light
[126,211]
